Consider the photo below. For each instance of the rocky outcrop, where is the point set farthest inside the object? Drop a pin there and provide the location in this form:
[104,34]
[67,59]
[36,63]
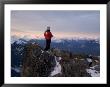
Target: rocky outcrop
[36,62]
[54,63]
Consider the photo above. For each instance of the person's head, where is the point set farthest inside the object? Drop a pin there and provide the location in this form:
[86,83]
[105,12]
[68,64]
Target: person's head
[48,28]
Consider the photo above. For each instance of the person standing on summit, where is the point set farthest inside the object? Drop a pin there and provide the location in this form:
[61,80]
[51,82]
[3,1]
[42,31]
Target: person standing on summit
[48,35]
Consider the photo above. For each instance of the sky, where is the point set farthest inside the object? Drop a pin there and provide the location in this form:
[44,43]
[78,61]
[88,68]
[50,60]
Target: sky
[63,24]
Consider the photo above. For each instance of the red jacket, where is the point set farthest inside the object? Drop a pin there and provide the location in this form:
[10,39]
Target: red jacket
[48,35]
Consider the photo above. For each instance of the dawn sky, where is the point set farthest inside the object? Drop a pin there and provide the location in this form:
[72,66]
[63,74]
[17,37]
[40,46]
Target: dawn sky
[63,23]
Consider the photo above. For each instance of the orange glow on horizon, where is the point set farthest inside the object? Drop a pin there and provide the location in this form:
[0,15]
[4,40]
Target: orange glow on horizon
[57,34]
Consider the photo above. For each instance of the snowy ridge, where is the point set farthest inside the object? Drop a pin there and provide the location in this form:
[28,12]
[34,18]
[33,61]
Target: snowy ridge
[13,39]
[20,41]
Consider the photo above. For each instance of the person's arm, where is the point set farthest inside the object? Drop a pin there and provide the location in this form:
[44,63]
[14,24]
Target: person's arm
[44,33]
[51,35]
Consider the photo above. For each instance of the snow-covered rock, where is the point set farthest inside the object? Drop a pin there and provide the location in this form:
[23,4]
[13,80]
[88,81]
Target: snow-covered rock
[16,69]
[89,60]
[57,68]
[93,71]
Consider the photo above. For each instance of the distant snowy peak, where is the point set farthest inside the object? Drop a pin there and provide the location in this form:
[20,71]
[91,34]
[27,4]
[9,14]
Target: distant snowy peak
[58,40]
[97,41]
[18,41]
[24,40]
[72,39]
[14,39]
[21,41]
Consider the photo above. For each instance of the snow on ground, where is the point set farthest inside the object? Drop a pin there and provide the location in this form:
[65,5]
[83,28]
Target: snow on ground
[94,67]
[59,58]
[16,69]
[42,51]
[93,72]
[57,68]
[89,60]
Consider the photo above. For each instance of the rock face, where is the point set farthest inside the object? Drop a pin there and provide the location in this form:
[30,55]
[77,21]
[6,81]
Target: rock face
[71,66]
[36,62]
[54,63]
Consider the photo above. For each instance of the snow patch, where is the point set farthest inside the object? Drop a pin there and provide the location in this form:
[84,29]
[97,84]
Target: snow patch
[94,67]
[42,51]
[89,60]
[93,72]
[57,68]
[16,69]
[60,58]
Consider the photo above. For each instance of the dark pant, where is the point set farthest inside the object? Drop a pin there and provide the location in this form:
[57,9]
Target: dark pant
[48,41]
